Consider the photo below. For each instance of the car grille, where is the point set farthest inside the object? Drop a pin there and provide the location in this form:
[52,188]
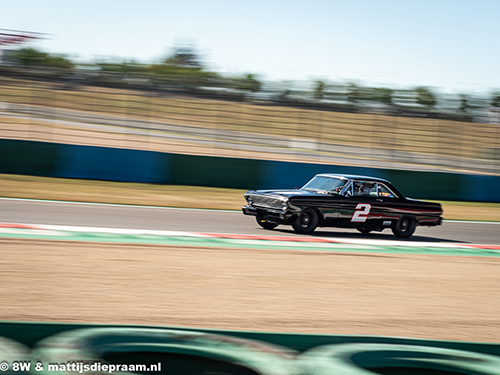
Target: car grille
[263,201]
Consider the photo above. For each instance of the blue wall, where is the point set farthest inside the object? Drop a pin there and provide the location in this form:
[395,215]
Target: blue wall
[113,164]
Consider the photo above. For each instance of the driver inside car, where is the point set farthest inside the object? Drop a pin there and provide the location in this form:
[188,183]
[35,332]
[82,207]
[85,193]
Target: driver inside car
[365,189]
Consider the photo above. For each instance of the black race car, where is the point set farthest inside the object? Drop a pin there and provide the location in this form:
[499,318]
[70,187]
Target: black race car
[345,201]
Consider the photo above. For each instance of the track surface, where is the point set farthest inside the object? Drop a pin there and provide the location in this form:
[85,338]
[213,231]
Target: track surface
[209,221]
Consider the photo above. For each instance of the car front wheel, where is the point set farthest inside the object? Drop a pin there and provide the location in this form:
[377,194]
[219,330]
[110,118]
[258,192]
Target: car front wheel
[404,227]
[306,222]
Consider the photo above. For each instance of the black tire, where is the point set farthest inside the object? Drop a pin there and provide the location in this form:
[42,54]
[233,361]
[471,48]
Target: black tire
[364,230]
[307,222]
[404,227]
[265,224]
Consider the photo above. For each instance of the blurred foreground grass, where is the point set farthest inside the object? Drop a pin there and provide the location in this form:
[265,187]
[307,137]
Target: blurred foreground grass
[18,186]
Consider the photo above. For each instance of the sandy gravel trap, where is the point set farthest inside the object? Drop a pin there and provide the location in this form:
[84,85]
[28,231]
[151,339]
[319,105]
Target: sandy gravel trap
[422,296]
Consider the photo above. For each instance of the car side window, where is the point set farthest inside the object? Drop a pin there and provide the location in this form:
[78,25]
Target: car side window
[384,191]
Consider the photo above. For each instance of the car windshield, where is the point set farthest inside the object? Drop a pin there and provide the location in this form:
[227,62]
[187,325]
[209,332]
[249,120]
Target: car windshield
[325,185]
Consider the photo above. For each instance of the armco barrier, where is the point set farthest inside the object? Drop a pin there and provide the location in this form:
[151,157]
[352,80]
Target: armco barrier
[187,351]
[114,164]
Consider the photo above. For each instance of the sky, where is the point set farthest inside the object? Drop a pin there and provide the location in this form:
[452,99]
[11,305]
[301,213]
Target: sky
[450,45]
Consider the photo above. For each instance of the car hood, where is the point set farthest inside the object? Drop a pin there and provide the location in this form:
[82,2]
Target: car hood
[285,192]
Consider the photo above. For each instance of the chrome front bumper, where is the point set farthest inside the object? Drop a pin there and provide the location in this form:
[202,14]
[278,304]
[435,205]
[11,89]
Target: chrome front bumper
[273,214]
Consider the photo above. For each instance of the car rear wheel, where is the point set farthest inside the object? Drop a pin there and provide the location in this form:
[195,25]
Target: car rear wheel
[404,227]
[306,222]
[265,224]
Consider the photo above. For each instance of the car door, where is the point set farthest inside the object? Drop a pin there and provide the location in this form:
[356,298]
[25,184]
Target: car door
[360,204]
[389,205]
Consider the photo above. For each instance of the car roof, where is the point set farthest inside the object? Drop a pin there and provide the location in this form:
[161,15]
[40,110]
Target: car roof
[353,177]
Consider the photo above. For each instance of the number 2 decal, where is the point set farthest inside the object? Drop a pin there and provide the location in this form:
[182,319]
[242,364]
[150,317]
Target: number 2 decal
[361,215]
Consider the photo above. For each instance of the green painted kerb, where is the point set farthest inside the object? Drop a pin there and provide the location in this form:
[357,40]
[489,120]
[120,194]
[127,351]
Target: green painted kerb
[244,243]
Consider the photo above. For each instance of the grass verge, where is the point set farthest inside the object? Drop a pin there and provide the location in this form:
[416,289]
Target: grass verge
[18,186]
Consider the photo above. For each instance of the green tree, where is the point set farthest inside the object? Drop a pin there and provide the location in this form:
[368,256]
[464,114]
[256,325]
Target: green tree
[495,99]
[59,62]
[319,89]
[249,82]
[32,57]
[383,95]
[425,97]
[357,93]
[285,90]
[184,67]
[185,57]
[464,103]
[122,67]
[353,92]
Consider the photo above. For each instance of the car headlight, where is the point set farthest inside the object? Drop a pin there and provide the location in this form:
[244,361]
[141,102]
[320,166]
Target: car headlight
[250,200]
[284,205]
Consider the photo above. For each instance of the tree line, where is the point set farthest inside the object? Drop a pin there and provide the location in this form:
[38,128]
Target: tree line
[184,68]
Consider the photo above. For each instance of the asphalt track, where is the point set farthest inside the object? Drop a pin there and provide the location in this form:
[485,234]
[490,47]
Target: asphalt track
[212,221]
